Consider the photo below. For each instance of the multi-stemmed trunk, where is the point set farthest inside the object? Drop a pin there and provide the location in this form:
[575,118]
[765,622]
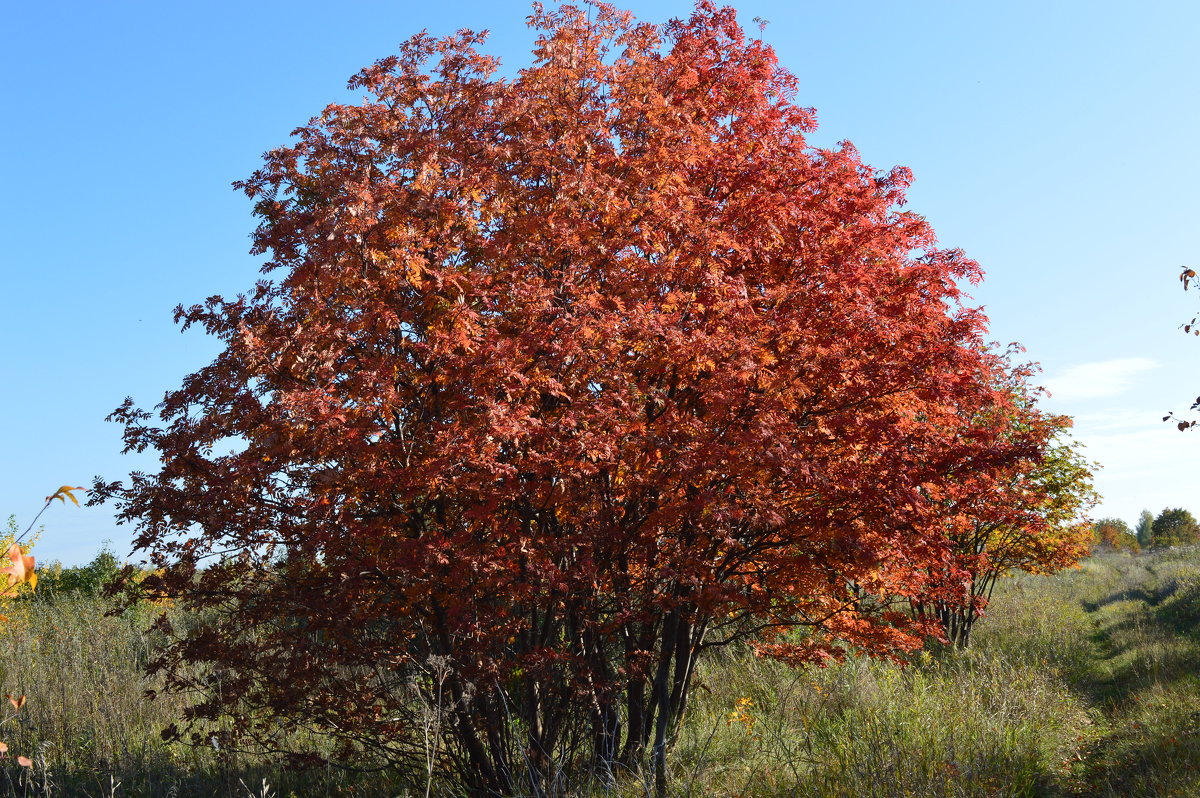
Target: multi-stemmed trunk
[523,737]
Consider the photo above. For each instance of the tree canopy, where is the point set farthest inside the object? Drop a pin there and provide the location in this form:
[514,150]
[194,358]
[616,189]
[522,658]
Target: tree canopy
[1113,533]
[1174,527]
[1026,514]
[1145,529]
[551,385]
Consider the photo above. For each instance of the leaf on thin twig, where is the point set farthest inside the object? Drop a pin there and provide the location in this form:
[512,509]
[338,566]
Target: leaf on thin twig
[64,493]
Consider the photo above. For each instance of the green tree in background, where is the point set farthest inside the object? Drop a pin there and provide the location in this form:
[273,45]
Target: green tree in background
[88,579]
[1175,527]
[1145,529]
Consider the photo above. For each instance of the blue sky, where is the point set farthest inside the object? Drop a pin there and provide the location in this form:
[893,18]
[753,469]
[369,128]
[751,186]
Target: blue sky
[1055,143]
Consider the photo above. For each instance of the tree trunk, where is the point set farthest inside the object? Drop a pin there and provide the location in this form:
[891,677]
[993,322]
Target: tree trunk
[661,700]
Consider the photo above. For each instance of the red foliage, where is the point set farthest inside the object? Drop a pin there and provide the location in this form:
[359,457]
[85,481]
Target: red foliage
[1025,513]
[560,381]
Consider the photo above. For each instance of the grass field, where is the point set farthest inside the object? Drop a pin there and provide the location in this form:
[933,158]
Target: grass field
[1078,685]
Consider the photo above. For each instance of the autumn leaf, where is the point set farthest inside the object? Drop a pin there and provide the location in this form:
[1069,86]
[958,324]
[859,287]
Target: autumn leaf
[21,569]
[17,702]
[64,493]
[24,761]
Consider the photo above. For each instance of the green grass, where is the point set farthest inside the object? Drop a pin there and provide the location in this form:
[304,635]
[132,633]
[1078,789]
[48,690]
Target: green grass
[1082,684]
[997,720]
[1146,680]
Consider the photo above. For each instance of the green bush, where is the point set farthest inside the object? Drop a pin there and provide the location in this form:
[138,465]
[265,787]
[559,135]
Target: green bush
[90,579]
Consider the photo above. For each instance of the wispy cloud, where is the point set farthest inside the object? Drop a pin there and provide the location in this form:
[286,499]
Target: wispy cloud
[1144,462]
[1095,380]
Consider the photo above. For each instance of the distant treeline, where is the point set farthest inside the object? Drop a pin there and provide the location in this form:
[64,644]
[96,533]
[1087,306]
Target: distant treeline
[87,579]
[1174,526]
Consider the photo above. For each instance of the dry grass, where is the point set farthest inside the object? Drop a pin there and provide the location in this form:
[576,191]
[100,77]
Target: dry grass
[91,731]
[1082,684]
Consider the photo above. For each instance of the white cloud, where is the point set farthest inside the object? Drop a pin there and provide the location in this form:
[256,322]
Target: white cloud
[1094,380]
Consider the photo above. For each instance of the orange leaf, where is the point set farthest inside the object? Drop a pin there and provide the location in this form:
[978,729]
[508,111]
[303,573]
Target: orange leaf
[16,702]
[64,493]
[3,748]
[21,569]
[24,762]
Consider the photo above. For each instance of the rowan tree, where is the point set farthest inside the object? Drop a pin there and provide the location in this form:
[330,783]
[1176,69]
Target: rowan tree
[552,385]
[1028,514]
